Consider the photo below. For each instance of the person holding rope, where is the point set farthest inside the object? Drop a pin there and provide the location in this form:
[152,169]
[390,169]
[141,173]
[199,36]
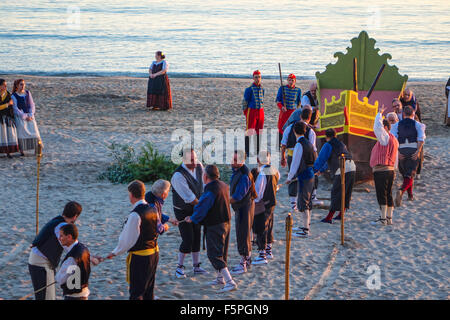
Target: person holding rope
[266,186]
[288,99]
[329,158]
[139,237]
[73,276]
[302,169]
[242,193]
[46,251]
[213,212]
[253,108]
[383,160]
[187,187]
[411,138]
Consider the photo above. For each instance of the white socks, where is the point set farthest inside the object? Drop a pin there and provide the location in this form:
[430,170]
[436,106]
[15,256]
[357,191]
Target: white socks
[389,214]
[293,201]
[195,258]
[226,275]
[383,211]
[306,218]
[181,258]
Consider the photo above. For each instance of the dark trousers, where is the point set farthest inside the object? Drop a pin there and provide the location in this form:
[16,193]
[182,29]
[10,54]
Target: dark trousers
[304,194]
[190,235]
[408,166]
[383,186]
[74,298]
[244,220]
[39,280]
[217,239]
[420,165]
[264,228]
[142,276]
[336,191]
[292,187]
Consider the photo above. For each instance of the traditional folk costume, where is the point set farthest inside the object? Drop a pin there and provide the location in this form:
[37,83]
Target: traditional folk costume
[187,185]
[329,158]
[293,96]
[266,187]
[159,96]
[447,109]
[27,131]
[78,256]
[140,238]
[302,169]
[253,109]
[244,209]
[44,257]
[289,140]
[213,212]
[414,104]
[314,103]
[8,133]
[383,160]
[408,133]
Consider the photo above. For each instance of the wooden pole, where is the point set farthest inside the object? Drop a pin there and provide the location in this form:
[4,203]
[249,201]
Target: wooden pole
[355,74]
[289,224]
[38,157]
[342,159]
[369,93]
[281,82]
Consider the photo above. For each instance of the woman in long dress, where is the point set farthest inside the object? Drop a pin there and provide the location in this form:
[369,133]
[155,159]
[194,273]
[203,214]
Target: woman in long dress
[24,109]
[8,133]
[159,96]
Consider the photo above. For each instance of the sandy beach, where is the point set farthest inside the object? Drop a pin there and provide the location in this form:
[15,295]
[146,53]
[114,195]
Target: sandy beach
[79,117]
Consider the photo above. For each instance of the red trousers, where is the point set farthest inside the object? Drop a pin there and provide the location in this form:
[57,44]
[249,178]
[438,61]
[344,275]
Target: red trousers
[282,118]
[254,120]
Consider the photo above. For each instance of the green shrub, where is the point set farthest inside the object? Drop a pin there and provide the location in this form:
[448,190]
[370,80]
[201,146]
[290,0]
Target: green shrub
[147,166]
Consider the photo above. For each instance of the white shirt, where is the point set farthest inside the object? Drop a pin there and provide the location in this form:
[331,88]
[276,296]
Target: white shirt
[130,232]
[180,184]
[296,159]
[378,129]
[311,137]
[261,181]
[420,127]
[305,101]
[164,67]
[36,251]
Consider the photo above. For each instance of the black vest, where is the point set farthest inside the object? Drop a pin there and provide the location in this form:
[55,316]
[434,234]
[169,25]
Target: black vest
[308,155]
[312,101]
[195,185]
[407,130]
[148,235]
[338,148]
[270,193]
[292,139]
[220,211]
[47,242]
[80,254]
[242,171]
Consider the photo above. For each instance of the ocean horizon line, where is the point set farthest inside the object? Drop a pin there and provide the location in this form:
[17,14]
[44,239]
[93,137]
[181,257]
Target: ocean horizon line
[187,75]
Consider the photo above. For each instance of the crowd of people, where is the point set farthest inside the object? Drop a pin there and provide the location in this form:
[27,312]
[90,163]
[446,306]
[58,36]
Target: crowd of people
[202,200]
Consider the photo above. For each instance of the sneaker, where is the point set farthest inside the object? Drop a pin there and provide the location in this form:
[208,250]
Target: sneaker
[239,269]
[398,198]
[417,176]
[229,286]
[383,221]
[199,270]
[338,217]
[269,255]
[216,281]
[261,259]
[327,221]
[297,229]
[302,234]
[179,273]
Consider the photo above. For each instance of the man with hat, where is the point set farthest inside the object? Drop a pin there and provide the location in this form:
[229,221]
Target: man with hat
[288,99]
[253,108]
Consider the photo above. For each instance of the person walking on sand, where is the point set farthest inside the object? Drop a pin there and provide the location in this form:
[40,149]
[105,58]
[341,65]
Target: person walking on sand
[159,96]
[293,95]
[383,160]
[187,187]
[302,169]
[139,237]
[253,108]
[242,193]
[8,132]
[46,251]
[411,138]
[266,186]
[213,212]
[329,158]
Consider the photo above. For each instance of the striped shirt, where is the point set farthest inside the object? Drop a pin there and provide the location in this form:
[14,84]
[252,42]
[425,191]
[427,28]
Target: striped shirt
[292,95]
[253,97]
